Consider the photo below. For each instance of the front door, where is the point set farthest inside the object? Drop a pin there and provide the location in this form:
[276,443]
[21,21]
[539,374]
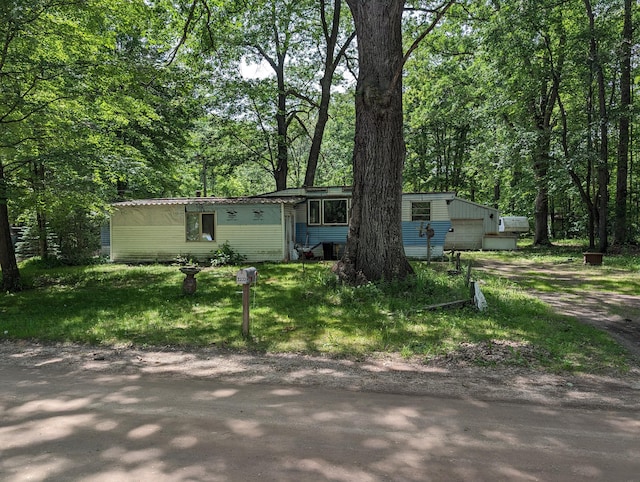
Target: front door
[289,237]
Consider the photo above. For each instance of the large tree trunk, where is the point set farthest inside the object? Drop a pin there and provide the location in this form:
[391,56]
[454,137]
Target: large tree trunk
[544,126]
[620,230]
[10,274]
[374,249]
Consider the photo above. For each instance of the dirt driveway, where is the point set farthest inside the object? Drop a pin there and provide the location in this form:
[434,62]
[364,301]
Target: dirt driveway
[617,314]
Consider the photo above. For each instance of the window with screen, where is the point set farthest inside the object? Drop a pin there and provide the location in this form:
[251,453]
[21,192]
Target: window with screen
[421,211]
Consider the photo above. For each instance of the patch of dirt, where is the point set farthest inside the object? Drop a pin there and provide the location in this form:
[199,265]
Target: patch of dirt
[454,376]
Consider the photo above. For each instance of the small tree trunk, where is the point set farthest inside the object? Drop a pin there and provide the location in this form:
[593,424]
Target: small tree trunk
[10,274]
[603,163]
[541,171]
[620,230]
[318,134]
[282,167]
[331,60]
[41,217]
[543,109]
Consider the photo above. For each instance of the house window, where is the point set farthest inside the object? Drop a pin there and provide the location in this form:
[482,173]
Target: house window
[200,226]
[314,211]
[328,211]
[421,211]
[334,211]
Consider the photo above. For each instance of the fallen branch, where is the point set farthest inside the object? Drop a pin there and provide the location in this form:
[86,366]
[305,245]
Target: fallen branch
[448,304]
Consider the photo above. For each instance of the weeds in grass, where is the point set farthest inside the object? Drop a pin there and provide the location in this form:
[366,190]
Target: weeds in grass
[296,307]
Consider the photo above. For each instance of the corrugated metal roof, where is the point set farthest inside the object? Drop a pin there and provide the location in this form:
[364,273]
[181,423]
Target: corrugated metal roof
[312,191]
[430,195]
[209,200]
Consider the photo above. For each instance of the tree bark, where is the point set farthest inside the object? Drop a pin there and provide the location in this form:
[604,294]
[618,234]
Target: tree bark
[541,168]
[374,249]
[282,167]
[277,62]
[603,162]
[620,225]
[543,111]
[41,217]
[331,61]
[10,273]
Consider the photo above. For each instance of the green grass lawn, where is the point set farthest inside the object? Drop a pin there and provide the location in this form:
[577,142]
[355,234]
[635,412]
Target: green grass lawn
[617,274]
[298,308]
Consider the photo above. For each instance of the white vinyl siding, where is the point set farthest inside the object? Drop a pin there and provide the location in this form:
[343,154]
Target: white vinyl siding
[438,207]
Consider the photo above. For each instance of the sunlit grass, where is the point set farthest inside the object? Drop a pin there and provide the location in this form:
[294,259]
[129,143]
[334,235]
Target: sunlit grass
[299,308]
[619,273]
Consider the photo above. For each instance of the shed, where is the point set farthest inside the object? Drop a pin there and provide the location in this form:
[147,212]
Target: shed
[470,223]
[148,230]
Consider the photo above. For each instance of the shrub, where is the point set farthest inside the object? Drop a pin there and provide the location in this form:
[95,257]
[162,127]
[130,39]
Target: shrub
[225,254]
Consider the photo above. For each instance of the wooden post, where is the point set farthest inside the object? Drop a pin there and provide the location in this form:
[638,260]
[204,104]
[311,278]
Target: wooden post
[245,277]
[246,294]
[429,233]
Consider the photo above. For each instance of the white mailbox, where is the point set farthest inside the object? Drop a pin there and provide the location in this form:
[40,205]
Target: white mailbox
[247,276]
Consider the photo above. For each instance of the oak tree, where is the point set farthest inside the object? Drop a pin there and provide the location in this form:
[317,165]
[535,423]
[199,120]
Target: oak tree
[374,250]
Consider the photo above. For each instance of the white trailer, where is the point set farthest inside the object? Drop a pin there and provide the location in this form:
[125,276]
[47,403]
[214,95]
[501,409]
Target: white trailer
[513,224]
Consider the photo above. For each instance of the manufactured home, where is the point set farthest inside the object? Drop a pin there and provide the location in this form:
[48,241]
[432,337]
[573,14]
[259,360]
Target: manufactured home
[457,224]
[287,224]
[261,229]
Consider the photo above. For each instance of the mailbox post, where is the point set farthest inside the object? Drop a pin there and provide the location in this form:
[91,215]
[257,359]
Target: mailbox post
[245,277]
[429,232]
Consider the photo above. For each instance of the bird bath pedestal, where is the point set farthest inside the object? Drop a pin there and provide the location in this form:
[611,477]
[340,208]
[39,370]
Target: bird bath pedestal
[189,283]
